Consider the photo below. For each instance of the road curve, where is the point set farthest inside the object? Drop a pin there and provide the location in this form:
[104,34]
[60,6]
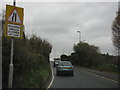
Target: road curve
[82,79]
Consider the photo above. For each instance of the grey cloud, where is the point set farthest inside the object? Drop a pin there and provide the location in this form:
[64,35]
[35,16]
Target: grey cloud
[59,22]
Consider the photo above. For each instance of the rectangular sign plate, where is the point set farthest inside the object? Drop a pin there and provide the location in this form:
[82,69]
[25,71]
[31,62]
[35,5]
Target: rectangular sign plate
[13,30]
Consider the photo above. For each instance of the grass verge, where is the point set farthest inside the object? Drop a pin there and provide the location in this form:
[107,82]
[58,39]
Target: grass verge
[37,78]
[107,68]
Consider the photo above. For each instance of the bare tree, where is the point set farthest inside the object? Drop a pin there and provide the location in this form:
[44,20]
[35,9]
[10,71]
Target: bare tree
[116,32]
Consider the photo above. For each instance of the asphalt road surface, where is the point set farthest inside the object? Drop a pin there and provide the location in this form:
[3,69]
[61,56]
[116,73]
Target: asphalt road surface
[82,79]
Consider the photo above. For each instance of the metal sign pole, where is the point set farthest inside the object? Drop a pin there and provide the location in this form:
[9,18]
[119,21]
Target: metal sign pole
[10,81]
[10,78]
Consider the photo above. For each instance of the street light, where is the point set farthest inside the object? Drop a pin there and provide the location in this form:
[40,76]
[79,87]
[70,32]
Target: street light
[79,36]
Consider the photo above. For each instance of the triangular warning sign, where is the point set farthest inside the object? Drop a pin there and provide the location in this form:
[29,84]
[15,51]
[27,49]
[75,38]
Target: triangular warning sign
[14,17]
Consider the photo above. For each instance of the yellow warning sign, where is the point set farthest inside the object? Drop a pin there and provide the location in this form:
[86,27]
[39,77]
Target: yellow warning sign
[14,14]
[14,22]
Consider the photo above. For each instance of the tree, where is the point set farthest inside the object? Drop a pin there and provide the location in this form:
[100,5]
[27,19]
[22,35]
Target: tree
[116,32]
[40,46]
[86,55]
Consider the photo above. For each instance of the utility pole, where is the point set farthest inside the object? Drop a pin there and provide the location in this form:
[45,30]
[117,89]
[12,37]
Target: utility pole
[10,78]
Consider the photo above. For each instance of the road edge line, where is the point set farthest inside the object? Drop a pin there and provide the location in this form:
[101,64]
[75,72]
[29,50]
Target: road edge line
[51,80]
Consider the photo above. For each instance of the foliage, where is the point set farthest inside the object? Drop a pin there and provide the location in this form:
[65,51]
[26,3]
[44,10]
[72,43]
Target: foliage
[37,78]
[108,67]
[30,63]
[31,60]
[86,55]
[116,32]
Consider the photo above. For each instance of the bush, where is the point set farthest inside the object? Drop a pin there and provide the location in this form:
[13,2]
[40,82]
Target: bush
[85,55]
[108,67]
[89,56]
[37,78]
[30,64]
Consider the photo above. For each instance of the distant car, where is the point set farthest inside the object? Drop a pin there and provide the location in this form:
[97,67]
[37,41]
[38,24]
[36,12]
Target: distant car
[56,63]
[65,67]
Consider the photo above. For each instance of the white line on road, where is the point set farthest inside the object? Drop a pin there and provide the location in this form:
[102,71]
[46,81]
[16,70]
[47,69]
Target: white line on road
[52,79]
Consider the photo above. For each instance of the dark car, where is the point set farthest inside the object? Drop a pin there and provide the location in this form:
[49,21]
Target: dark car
[56,63]
[65,67]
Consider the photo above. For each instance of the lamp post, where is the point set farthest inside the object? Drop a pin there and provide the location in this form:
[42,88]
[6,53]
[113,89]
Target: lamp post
[79,36]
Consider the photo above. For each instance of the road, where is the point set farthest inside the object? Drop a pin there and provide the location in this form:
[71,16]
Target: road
[82,79]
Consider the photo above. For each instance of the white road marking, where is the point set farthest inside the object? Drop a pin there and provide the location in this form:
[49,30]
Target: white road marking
[52,79]
[83,71]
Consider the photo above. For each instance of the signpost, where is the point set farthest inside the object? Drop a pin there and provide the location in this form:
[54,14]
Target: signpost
[13,29]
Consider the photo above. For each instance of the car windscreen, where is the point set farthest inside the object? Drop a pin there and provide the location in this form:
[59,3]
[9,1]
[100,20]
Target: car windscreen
[65,64]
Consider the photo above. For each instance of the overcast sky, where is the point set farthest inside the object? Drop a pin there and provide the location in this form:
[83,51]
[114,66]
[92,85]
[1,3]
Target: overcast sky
[58,22]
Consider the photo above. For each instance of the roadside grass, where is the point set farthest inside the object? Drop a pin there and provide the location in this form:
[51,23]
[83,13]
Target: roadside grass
[37,78]
[107,68]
